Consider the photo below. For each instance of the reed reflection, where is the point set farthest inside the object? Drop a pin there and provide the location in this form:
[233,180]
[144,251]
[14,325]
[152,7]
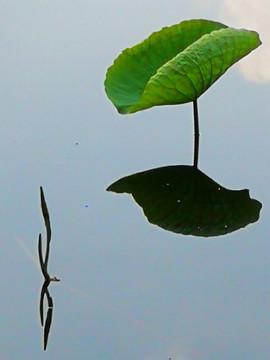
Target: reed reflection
[44,268]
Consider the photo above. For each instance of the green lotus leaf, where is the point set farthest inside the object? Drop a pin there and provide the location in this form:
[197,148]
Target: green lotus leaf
[184,200]
[176,64]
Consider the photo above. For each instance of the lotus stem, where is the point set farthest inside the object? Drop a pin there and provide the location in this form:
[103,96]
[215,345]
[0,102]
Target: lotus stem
[196,134]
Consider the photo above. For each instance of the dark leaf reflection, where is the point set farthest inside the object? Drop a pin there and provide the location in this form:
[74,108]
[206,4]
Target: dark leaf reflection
[44,268]
[184,200]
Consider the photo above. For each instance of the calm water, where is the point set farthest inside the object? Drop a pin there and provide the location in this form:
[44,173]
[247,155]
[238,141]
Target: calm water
[128,289]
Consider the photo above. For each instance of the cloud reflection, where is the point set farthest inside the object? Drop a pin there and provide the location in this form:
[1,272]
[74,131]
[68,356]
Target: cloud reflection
[251,15]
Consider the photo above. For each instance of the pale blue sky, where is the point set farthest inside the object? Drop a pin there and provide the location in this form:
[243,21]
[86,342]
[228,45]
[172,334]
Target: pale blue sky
[128,289]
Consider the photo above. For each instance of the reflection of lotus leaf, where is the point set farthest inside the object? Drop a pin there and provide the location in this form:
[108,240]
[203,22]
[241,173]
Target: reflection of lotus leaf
[184,200]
